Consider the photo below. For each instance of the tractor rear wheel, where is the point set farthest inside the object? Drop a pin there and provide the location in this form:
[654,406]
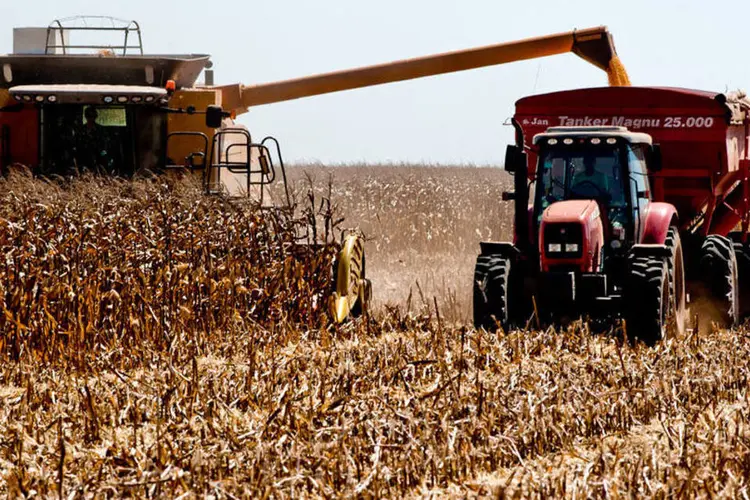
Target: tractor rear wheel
[647,299]
[720,276]
[491,286]
[676,271]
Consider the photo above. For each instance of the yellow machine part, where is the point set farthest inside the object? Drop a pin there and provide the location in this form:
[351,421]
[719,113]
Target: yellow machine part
[352,290]
[595,45]
[180,147]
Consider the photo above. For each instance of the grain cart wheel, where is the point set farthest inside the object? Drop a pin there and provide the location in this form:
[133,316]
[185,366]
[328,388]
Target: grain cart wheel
[676,271]
[647,299]
[491,284]
[742,256]
[719,272]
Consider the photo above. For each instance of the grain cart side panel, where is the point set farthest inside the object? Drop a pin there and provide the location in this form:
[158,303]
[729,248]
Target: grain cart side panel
[703,138]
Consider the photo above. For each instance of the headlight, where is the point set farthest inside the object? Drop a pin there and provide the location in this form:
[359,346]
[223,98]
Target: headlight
[571,247]
[618,231]
[554,248]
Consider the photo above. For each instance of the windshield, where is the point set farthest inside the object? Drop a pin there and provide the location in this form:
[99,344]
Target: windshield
[116,139]
[588,172]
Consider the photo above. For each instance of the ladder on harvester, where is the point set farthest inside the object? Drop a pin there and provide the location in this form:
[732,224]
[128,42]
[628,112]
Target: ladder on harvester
[241,168]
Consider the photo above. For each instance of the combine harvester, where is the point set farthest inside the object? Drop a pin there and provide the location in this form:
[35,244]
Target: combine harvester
[66,105]
[627,200]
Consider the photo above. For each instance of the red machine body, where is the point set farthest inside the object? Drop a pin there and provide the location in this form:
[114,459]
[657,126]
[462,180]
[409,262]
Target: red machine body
[704,139]
[583,213]
[640,208]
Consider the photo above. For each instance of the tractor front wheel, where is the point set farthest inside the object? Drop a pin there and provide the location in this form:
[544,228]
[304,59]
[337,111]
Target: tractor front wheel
[491,287]
[647,299]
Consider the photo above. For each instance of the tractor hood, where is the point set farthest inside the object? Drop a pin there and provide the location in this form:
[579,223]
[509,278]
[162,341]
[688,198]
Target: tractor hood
[571,211]
[571,236]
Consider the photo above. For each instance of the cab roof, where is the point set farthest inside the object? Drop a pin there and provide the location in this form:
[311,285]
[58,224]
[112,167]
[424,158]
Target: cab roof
[603,132]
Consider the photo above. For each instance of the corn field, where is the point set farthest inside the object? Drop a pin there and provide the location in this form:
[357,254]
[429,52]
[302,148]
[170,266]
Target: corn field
[106,260]
[160,344]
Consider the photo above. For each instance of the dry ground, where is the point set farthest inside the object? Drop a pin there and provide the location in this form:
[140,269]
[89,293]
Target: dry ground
[404,404]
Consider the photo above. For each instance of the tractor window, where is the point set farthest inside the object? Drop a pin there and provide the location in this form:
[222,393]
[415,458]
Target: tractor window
[637,161]
[638,181]
[583,171]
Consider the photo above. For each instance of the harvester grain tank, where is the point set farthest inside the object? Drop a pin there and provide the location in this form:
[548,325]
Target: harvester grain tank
[640,199]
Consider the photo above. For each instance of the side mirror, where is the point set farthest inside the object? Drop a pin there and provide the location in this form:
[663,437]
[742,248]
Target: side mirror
[214,116]
[509,196]
[654,160]
[515,158]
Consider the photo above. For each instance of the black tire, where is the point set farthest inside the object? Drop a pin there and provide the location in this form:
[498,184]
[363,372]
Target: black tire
[360,307]
[676,273]
[647,299]
[491,286]
[479,300]
[719,271]
[742,255]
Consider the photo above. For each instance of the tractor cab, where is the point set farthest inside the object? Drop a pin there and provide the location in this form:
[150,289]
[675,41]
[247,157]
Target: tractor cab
[607,165]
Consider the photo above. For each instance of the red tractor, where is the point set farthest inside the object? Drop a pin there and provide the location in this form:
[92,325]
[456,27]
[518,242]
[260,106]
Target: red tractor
[628,202]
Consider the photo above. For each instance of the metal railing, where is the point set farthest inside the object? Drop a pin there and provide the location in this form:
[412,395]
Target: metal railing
[63,27]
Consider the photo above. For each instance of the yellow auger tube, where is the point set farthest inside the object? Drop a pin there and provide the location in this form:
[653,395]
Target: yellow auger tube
[594,45]
[352,288]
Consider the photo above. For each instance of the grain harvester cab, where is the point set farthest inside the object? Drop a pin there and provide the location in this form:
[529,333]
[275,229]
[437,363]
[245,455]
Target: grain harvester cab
[669,178]
[81,94]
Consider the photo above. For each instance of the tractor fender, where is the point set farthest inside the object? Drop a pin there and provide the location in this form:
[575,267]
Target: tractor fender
[657,221]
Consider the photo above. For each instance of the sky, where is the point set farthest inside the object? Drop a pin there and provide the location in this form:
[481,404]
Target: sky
[449,119]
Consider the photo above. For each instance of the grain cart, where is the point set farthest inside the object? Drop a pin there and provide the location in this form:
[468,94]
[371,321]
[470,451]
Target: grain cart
[627,201]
